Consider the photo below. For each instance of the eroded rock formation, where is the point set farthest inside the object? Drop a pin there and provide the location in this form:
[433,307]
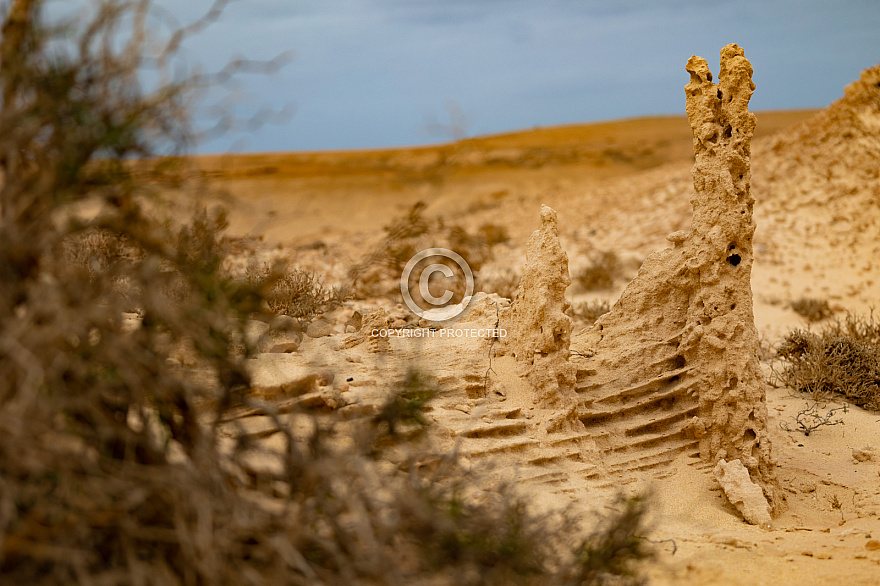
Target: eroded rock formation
[371,331]
[538,330]
[745,495]
[673,367]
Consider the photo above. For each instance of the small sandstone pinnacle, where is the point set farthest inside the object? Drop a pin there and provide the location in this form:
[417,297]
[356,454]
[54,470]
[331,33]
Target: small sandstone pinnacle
[745,495]
[682,336]
[538,329]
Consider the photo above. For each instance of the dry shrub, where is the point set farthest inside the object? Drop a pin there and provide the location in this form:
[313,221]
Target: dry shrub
[811,418]
[812,309]
[113,469]
[842,359]
[371,276]
[504,282]
[297,292]
[107,471]
[590,311]
[378,273]
[604,269]
[493,234]
[96,251]
[610,555]
[472,247]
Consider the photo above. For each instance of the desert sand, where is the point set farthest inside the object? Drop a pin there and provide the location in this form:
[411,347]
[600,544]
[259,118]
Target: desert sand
[575,412]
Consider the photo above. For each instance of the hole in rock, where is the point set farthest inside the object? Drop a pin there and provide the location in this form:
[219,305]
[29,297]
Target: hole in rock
[719,93]
[731,384]
[728,131]
[731,246]
[732,306]
[678,361]
[734,259]
[709,77]
[750,435]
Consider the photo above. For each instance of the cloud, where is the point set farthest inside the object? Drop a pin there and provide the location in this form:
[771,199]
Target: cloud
[367,72]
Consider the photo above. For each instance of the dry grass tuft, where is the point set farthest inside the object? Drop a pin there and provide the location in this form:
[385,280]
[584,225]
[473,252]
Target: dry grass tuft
[843,359]
[812,309]
[604,269]
[590,311]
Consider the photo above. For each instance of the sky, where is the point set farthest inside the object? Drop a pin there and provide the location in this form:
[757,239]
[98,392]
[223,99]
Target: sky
[386,73]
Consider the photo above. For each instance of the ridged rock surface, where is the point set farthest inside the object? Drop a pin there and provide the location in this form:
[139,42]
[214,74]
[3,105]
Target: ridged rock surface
[673,367]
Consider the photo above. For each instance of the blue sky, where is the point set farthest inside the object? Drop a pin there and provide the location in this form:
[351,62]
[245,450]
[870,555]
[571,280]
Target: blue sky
[381,73]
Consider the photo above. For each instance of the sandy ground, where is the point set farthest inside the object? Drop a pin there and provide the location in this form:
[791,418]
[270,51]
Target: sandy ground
[622,187]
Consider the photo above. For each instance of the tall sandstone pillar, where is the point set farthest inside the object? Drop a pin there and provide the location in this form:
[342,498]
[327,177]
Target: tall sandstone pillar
[680,347]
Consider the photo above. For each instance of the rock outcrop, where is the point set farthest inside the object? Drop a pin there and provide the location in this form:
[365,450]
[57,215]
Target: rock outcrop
[673,367]
[371,331]
[538,329]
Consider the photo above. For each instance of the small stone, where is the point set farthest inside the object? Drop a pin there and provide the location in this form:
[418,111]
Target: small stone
[285,323]
[325,377]
[863,454]
[872,545]
[279,341]
[254,330]
[319,329]
[742,493]
[326,400]
[284,348]
[355,321]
